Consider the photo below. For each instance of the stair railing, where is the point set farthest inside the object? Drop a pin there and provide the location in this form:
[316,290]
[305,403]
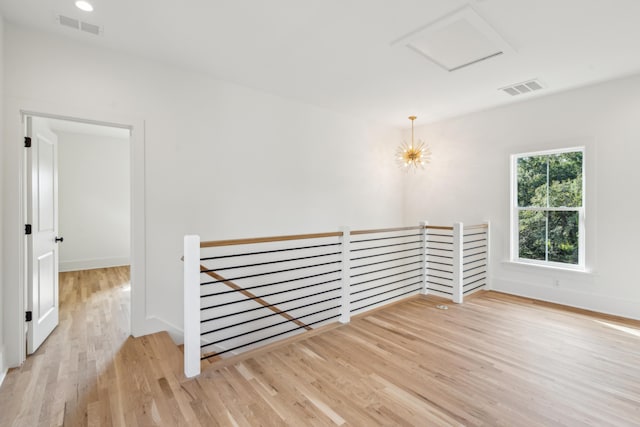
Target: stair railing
[245,293]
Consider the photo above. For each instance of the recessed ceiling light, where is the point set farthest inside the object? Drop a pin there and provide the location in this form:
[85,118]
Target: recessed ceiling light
[84,5]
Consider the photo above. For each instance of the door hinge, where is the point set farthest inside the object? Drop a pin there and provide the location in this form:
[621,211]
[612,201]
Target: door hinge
[27,141]
[28,316]
[27,229]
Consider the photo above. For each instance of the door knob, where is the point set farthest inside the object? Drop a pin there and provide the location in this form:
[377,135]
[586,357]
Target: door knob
[59,239]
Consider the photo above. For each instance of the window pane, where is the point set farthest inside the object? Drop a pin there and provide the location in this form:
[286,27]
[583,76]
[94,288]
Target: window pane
[532,181]
[532,225]
[565,180]
[563,237]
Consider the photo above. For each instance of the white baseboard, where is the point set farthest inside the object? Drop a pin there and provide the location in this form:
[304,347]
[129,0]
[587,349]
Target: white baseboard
[571,297]
[177,334]
[90,264]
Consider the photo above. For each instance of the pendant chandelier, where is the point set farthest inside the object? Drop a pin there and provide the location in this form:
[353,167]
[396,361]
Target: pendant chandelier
[414,155]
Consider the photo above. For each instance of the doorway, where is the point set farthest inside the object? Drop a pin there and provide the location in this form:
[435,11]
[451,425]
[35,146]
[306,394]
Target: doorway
[78,183]
[94,195]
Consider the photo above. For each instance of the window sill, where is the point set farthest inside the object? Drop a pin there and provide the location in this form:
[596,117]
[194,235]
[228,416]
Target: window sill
[551,269]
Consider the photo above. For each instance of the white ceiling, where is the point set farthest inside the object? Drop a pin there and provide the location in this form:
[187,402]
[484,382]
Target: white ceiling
[338,53]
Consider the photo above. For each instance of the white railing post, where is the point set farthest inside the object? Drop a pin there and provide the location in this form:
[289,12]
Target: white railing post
[423,258]
[191,306]
[345,296]
[488,261]
[458,251]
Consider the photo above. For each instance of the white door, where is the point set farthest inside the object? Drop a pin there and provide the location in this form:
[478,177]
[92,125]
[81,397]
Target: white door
[42,215]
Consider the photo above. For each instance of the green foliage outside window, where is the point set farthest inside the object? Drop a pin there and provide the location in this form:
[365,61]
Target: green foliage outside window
[547,186]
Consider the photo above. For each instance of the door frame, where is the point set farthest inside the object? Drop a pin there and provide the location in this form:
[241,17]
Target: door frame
[137,222]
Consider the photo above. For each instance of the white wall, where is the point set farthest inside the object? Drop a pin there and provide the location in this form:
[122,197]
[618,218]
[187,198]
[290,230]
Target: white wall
[221,160]
[3,365]
[94,209]
[469,180]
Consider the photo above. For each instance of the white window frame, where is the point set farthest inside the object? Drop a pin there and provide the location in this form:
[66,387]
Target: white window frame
[515,210]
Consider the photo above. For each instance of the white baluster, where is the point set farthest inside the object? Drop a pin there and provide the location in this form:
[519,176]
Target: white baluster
[425,264]
[345,297]
[191,306]
[458,252]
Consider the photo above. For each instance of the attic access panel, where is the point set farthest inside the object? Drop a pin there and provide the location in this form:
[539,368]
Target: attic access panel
[457,40]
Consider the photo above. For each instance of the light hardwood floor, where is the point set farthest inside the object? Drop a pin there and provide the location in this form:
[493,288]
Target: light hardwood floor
[496,360]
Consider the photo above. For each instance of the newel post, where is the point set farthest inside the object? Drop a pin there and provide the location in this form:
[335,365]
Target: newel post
[458,253]
[424,237]
[345,296]
[191,306]
[488,262]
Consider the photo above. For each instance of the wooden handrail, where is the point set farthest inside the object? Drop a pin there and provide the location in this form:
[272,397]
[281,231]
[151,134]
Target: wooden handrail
[253,240]
[385,230]
[473,227]
[437,227]
[253,297]
[232,242]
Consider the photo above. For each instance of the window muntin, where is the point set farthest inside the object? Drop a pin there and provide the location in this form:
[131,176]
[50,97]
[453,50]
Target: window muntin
[548,208]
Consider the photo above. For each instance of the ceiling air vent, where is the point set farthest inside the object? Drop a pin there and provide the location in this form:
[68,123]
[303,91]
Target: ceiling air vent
[68,22]
[79,25]
[524,87]
[90,28]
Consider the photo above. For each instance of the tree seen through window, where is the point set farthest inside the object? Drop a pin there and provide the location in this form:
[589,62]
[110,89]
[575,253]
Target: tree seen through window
[549,206]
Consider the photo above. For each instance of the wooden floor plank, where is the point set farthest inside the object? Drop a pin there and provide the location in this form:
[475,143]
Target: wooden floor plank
[496,360]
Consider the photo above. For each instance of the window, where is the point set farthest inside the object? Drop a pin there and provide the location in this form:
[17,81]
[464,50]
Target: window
[548,208]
